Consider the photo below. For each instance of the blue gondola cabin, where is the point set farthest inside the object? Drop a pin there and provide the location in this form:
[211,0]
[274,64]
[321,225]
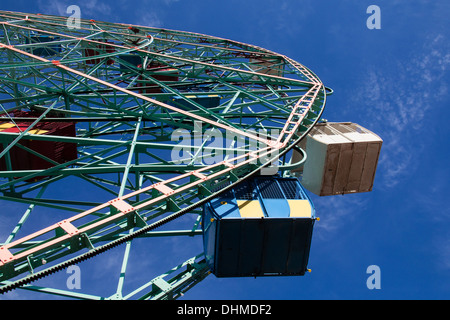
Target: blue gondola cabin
[261,227]
[48,45]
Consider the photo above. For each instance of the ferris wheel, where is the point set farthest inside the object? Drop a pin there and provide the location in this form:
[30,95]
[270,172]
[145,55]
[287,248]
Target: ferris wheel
[114,133]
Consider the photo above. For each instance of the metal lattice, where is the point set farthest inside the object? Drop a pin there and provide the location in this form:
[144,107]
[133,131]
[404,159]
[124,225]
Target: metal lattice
[127,91]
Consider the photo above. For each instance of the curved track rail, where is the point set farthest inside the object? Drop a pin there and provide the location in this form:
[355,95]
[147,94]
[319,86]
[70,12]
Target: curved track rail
[259,90]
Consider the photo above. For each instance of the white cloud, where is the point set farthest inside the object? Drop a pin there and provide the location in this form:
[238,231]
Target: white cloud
[52,7]
[94,6]
[339,211]
[149,19]
[398,101]
[88,8]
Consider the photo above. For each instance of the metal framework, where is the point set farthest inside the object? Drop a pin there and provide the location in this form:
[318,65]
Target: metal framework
[132,92]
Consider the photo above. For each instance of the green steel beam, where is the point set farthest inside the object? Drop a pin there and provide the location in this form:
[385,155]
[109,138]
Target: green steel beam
[121,132]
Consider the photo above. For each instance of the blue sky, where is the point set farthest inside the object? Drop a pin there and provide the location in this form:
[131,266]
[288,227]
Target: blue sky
[393,81]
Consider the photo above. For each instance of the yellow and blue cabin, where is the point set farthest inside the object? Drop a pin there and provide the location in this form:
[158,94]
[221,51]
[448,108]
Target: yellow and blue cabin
[261,227]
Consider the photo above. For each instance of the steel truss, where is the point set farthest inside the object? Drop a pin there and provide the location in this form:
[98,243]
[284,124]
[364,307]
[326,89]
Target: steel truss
[126,113]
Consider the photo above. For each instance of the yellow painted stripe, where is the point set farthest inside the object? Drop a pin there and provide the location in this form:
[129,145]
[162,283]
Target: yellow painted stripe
[6,125]
[202,96]
[250,209]
[300,208]
[37,131]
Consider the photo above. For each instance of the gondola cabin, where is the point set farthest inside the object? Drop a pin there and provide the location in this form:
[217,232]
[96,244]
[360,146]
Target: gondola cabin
[342,159]
[158,71]
[204,100]
[97,49]
[262,227]
[34,154]
[48,45]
